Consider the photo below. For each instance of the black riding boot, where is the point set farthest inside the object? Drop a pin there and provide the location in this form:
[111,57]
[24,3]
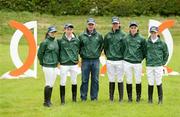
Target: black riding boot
[150,94]
[121,90]
[129,92]
[62,94]
[138,92]
[47,96]
[160,94]
[74,93]
[111,90]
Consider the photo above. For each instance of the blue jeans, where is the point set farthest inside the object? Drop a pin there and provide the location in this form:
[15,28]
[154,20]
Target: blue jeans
[90,66]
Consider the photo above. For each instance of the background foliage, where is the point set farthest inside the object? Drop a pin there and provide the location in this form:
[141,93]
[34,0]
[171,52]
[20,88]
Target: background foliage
[95,7]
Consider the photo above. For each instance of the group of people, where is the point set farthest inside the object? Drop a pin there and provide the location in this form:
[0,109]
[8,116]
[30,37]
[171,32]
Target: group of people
[124,53]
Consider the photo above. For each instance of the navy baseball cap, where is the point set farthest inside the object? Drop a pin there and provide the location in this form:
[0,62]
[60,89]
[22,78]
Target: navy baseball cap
[52,29]
[115,20]
[154,29]
[68,26]
[91,21]
[133,23]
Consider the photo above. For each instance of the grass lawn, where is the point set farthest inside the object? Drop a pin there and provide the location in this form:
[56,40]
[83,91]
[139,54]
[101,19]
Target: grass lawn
[24,98]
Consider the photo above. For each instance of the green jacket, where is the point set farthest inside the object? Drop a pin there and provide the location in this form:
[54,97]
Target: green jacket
[69,50]
[48,52]
[157,53]
[114,45]
[134,48]
[90,45]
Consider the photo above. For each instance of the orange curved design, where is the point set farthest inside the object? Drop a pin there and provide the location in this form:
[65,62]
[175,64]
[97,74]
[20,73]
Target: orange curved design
[166,24]
[103,69]
[32,48]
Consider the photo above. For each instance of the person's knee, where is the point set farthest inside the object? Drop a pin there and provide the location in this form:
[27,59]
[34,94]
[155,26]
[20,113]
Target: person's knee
[111,80]
[49,84]
[74,81]
[63,82]
[85,80]
[138,80]
[120,80]
[151,83]
[129,80]
[158,82]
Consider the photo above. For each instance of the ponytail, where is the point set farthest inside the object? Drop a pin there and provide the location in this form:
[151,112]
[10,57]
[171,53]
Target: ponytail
[46,35]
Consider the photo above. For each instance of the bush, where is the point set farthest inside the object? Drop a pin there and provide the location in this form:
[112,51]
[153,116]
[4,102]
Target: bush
[95,7]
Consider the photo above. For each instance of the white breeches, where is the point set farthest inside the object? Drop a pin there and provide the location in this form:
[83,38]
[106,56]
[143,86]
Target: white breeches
[115,69]
[129,69]
[50,76]
[154,74]
[64,70]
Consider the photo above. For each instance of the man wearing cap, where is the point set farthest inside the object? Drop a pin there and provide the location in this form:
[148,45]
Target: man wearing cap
[133,56]
[69,49]
[114,49]
[48,53]
[91,45]
[156,58]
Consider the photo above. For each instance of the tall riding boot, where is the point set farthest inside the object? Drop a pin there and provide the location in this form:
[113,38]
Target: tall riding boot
[47,96]
[129,92]
[121,90]
[74,92]
[50,93]
[150,94]
[160,94]
[62,94]
[111,90]
[138,92]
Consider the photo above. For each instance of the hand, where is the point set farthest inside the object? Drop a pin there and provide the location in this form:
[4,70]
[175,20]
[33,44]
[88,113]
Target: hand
[79,63]
[58,66]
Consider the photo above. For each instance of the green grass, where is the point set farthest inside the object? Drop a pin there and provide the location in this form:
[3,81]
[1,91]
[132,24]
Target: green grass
[24,98]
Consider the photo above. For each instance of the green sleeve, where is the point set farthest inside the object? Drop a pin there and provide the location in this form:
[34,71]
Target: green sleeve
[59,49]
[124,45]
[41,52]
[80,45]
[105,44]
[102,43]
[165,53]
[144,48]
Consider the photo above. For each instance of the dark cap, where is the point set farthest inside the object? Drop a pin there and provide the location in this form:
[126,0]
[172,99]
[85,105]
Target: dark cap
[115,20]
[133,23]
[91,21]
[52,29]
[154,29]
[68,26]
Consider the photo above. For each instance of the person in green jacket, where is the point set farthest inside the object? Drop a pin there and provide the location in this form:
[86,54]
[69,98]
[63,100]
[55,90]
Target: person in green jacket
[133,56]
[91,45]
[114,49]
[156,58]
[69,46]
[48,53]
